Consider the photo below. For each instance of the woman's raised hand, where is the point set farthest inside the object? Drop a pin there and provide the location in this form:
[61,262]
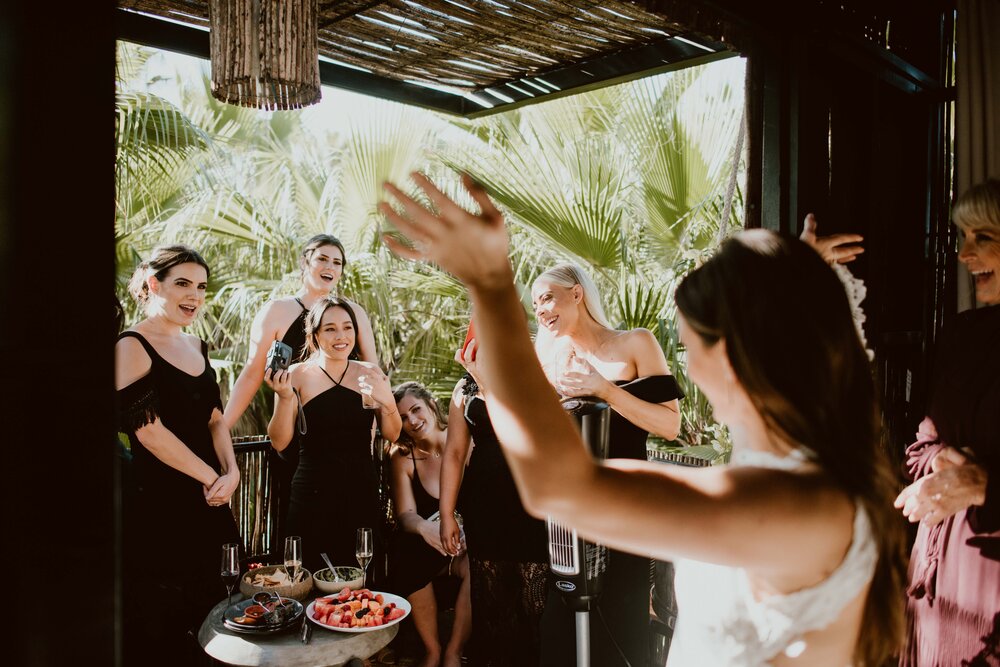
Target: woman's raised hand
[280,381]
[467,358]
[471,246]
[835,248]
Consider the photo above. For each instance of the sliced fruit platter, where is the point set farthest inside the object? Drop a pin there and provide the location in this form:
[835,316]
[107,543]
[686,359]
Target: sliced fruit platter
[357,611]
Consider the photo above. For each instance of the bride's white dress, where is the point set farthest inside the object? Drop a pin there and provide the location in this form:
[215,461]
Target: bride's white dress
[721,624]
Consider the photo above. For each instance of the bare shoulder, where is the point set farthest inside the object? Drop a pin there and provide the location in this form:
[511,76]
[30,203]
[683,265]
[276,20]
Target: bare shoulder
[277,312]
[131,361]
[359,310]
[641,347]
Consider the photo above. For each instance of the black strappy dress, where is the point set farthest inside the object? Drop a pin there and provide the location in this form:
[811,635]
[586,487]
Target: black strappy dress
[172,538]
[335,488]
[624,603]
[508,552]
[412,562]
[284,463]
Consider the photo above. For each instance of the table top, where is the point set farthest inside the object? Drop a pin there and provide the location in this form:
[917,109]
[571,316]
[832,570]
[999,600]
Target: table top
[328,648]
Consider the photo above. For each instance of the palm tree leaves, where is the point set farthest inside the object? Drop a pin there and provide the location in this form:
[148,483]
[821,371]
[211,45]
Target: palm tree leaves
[628,181]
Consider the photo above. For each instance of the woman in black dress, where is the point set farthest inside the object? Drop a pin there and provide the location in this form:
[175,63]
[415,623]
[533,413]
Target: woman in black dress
[508,550]
[321,265]
[583,355]
[335,487]
[417,556]
[183,466]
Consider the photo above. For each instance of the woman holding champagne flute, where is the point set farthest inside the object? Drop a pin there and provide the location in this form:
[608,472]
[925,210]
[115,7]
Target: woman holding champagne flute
[183,462]
[583,355]
[335,487]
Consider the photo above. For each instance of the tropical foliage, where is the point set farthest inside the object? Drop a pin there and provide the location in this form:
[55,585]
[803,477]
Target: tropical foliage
[630,181]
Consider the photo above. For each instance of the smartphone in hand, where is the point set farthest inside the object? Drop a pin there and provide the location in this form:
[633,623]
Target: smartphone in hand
[278,357]
[469,335]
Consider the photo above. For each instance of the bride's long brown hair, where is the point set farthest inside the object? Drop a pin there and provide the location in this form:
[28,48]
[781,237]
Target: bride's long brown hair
[793,346]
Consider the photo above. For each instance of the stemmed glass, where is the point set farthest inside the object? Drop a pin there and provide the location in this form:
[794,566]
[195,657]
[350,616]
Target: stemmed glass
[293,556]
[230,568]
[367,400]
[363,551]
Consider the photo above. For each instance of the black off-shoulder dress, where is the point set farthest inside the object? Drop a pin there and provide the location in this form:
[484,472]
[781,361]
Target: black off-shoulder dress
[172,538]
[624,603]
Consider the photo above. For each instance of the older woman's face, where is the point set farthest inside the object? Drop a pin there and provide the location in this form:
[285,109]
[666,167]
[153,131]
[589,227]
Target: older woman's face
[980,252]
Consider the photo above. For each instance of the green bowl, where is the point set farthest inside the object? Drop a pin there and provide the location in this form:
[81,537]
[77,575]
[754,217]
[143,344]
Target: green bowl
[334,582]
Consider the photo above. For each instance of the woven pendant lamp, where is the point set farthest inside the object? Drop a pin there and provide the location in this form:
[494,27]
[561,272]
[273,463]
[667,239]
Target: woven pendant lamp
[265,53]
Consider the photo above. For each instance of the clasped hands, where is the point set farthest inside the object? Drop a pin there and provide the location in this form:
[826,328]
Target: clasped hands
[955,484]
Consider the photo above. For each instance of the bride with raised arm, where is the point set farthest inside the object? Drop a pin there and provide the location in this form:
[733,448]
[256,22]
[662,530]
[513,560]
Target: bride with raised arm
[789,555]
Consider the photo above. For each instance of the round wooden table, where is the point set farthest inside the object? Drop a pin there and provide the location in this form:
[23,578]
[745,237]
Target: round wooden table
[327,648]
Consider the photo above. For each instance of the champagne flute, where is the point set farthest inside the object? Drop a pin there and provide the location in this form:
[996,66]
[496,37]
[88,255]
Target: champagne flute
[293,556]
[230,568]
[367,401]
[363,551]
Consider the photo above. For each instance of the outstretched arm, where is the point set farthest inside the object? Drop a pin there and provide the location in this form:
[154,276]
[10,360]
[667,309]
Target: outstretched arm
[761,519]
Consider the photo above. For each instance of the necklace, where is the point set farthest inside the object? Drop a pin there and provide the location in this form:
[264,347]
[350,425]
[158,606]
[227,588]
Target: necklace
[434,454]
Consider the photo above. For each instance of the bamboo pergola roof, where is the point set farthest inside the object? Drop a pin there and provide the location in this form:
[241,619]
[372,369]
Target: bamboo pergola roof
[461,56]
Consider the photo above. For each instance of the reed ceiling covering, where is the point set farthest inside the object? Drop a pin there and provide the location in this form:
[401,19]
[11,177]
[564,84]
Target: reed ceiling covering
[466,57]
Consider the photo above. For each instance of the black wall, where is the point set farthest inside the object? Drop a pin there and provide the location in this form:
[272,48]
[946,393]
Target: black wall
[56,280]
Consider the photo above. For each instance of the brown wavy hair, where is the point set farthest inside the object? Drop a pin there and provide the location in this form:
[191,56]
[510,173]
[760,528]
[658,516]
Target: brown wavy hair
[792,344]
[420,392]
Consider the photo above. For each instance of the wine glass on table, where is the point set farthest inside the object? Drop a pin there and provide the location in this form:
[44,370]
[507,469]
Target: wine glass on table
[293,556]
[363,552]
[230,568]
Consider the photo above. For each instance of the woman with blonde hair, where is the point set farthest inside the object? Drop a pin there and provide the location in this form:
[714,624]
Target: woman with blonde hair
[583,355]
[789,555]
[954,595]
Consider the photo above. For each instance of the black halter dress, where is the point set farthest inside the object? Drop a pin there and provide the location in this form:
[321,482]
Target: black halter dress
[508,552]
[335,487]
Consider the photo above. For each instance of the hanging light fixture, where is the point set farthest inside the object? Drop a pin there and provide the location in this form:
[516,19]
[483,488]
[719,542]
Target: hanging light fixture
[265,53]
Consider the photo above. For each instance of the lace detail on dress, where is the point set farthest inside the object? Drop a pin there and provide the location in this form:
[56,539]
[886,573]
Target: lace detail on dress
[856,292]
[720,622]
[138,405]
[511,596]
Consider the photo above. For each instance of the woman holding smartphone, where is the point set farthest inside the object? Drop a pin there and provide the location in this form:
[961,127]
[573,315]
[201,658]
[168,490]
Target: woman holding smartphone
[508,554]
[321,265]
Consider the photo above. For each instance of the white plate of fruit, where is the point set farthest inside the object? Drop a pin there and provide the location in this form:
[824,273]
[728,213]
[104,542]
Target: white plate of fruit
[357,611]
